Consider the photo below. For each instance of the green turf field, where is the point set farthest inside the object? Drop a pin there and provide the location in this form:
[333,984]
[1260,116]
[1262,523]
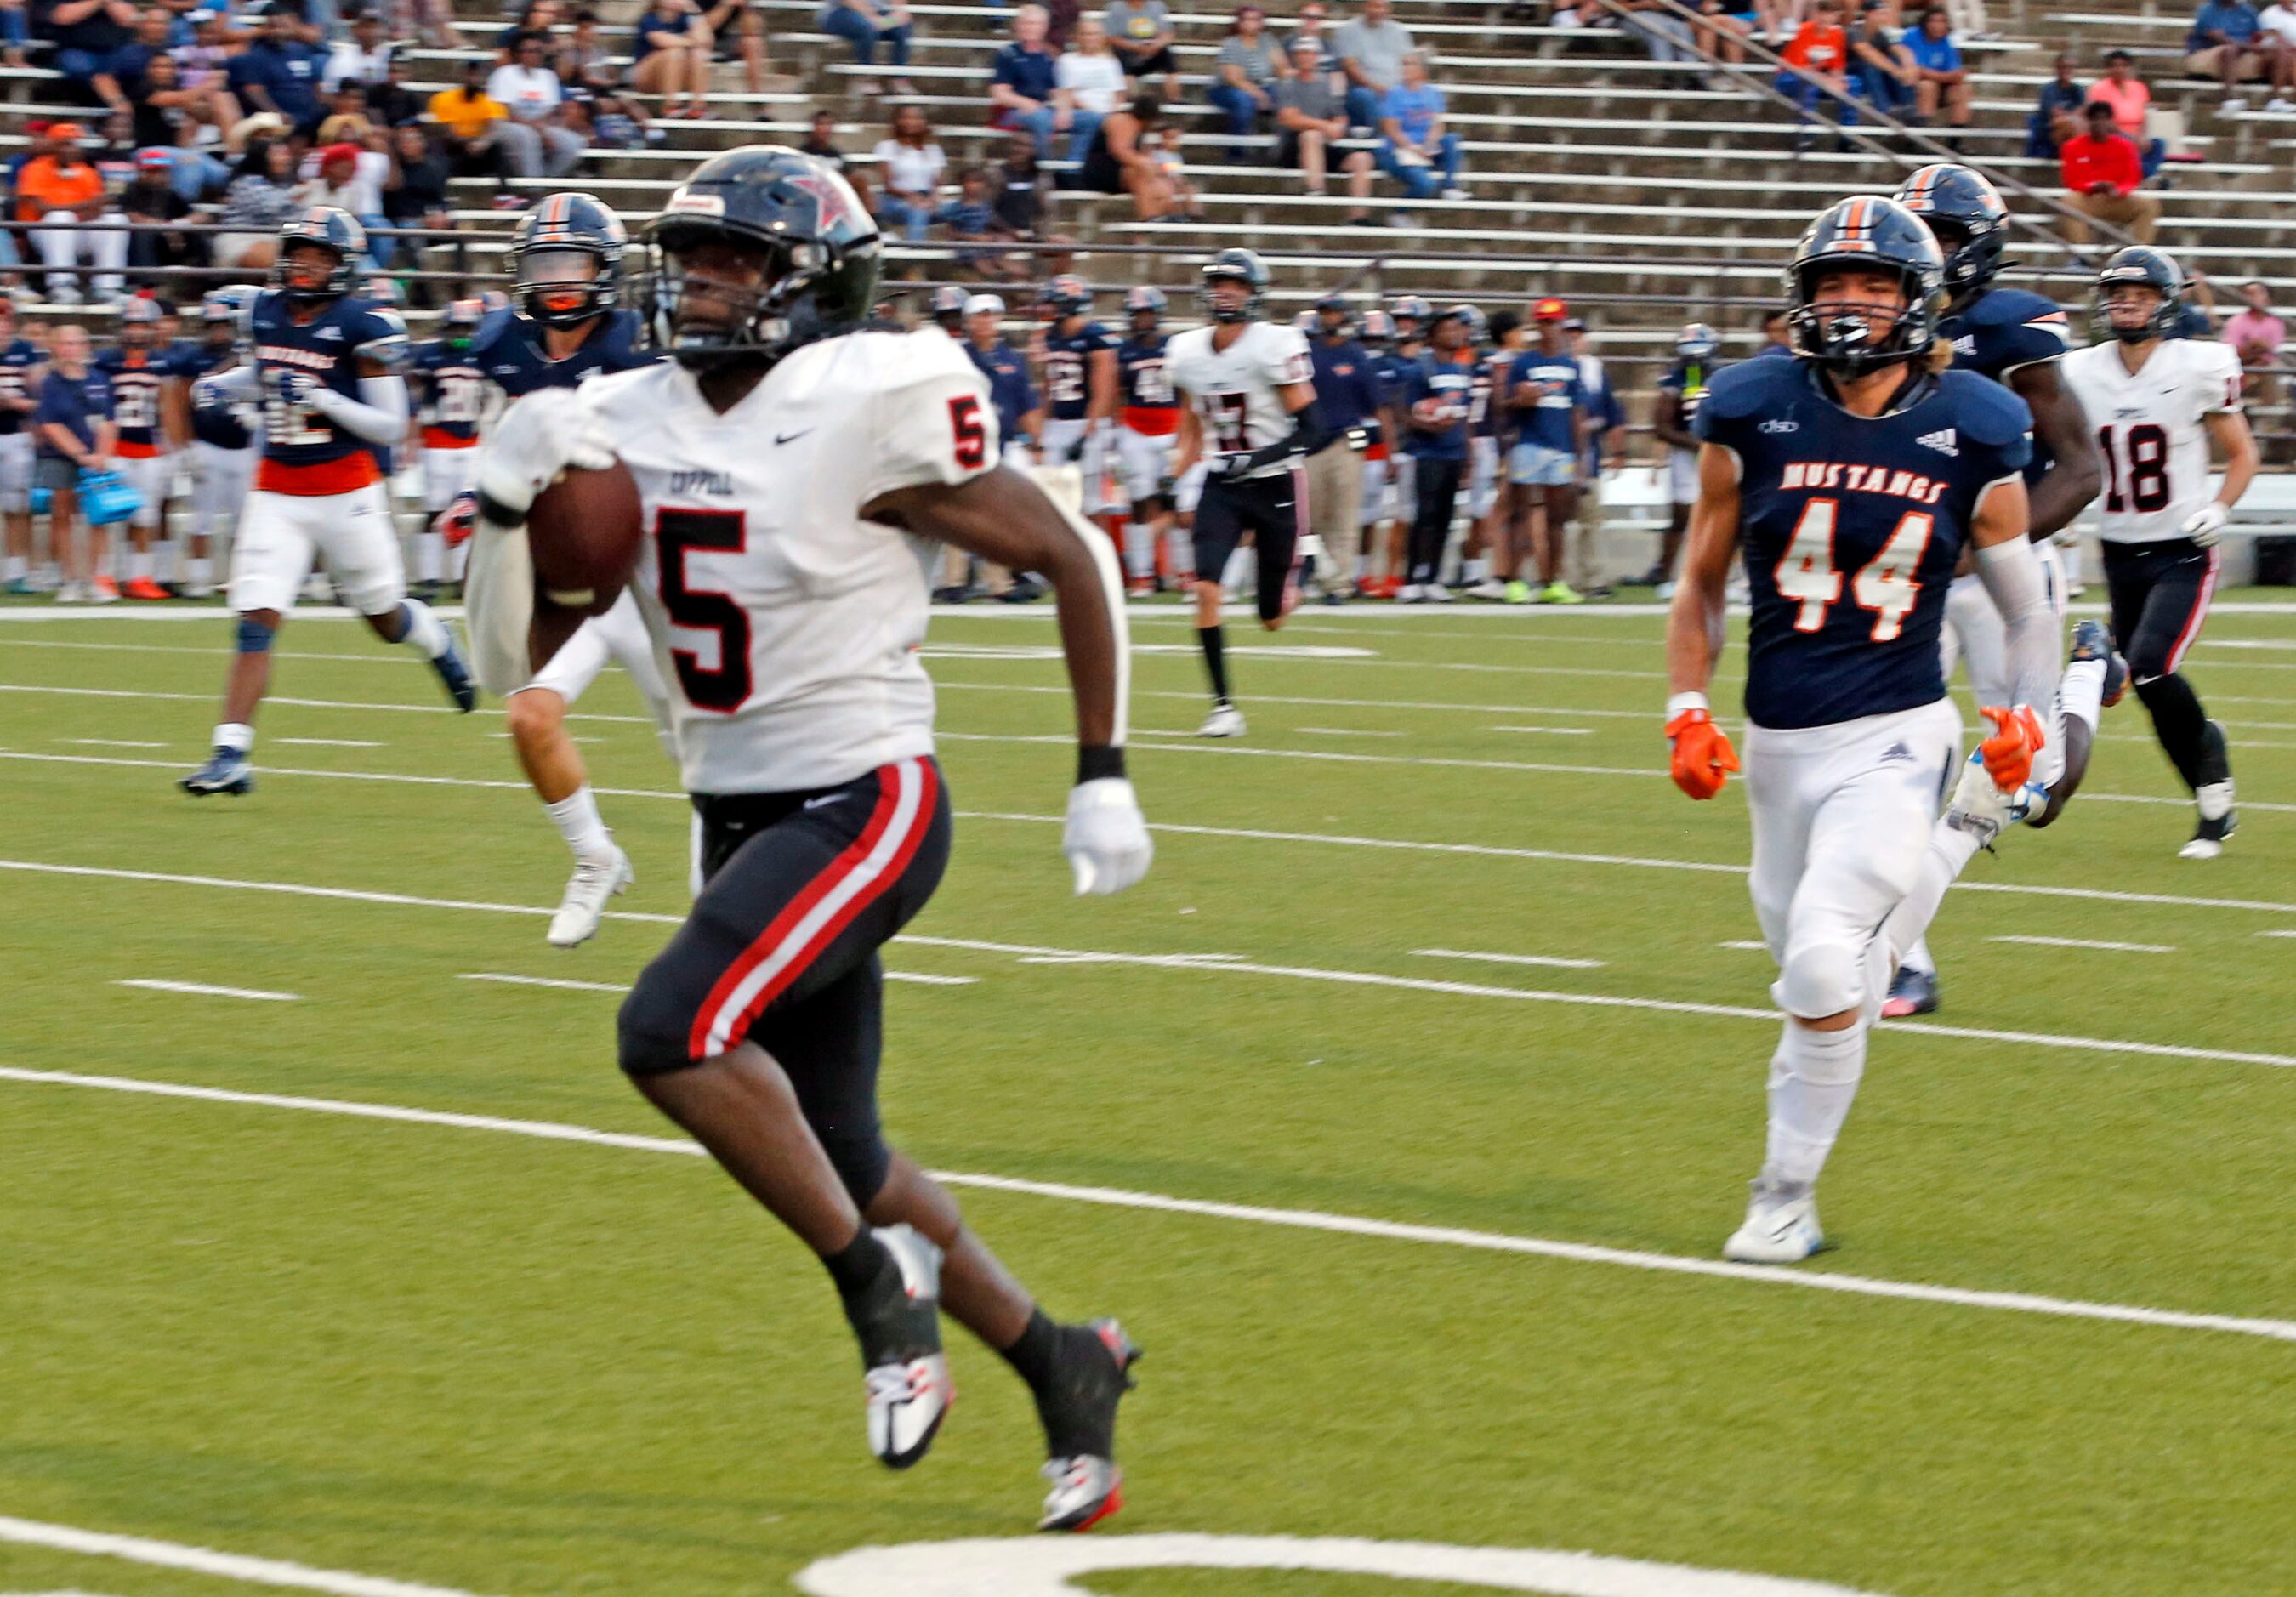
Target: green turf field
[498,1363]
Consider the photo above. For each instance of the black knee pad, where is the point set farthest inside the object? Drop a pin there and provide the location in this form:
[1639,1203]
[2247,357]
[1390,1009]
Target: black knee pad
[650,1030]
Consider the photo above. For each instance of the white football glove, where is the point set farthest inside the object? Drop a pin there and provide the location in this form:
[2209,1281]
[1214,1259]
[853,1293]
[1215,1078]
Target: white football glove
[2205,525]
[538,439]
[1106,838]
[295,387]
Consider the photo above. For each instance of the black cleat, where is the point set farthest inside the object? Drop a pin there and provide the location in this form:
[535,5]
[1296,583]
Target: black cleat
[227,771]
[1092,1373]
[2093,640]
[1912,993]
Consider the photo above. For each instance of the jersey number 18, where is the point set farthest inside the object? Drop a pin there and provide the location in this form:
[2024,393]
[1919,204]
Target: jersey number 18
[2135,467]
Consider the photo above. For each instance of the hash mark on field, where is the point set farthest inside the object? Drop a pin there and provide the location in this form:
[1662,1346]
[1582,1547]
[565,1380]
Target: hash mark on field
[1750,944]
[154,984]
[110,743]
[1560,731]
[1817,1280]
[203,1561]
[1558,961]
[329,742]
[1347,732]
[2087,943]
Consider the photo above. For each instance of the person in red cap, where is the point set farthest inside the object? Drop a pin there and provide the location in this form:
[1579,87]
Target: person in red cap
[349,177]
[150,200]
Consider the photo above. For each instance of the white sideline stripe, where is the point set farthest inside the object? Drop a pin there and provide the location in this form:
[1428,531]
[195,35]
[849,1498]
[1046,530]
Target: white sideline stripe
[2283,1331]
[110,743]
[921,979]
[203,1561]
[1557,961]
[1347,732]
[1223,962]
[615,988]
[2087,943]
[1560,731]
[334,742]
[155,985]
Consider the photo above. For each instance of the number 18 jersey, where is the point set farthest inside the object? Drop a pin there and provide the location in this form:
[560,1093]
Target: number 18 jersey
[2152,435]
[1852,528]
[1234,389]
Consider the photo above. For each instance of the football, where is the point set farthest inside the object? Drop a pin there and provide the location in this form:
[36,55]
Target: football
[584,530]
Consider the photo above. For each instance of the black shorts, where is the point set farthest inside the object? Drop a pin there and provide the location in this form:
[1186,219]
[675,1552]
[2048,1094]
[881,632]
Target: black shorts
[1274,511]
[801,889]
[1161,61]
[2159,595]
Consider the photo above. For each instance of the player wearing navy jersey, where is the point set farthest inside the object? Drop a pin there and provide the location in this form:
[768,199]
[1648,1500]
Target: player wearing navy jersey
[947,310]
[1349,395]
[1681,390]
[449,393]
[1548,394]
[219,447]
[138,371]
[1852,477]
[20,359]
[1439,396]
[1148,427]
[797,471]
[1387,479]
[2018,338]
[1080,386]
[324,366]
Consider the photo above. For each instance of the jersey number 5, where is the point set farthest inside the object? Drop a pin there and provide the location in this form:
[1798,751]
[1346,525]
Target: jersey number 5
[1885,585]
[725,686]
[972,437]
[2147,454]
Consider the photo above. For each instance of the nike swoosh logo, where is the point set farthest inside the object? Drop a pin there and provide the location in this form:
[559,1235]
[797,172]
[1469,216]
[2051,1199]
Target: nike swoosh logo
[783,437]
[821,799]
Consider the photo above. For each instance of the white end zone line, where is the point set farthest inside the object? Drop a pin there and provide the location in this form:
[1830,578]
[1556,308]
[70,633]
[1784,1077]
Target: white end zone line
[203,1561]
[1864,1286]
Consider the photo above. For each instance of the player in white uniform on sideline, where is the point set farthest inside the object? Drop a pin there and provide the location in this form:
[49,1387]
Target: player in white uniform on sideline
[794,469]
[1853,476]
[2157,403]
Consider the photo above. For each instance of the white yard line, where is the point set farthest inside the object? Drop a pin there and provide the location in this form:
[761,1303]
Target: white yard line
[2040,942]
[110,743]
[330,742]
[1555,960]
[1746,945]
[203,1561]
[154,984]
[1560,731]
[1347,732]
[1228,965]
[2283,1331]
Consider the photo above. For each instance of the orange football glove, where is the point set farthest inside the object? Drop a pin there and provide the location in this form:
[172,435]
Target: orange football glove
[1703,758]
[2008,753]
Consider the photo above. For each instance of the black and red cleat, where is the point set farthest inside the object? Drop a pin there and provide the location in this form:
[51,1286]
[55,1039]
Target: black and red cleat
[1078,1411]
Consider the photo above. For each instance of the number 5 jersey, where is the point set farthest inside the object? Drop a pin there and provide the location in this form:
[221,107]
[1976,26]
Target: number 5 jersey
[2152,435]
[1852,528]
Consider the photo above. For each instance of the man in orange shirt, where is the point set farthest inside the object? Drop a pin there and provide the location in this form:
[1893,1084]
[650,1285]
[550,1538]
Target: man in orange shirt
[61,195]
[1820,47]
[2101,171]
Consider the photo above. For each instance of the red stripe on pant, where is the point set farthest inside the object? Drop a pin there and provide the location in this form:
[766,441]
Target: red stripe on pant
[854,858]
[2191,631]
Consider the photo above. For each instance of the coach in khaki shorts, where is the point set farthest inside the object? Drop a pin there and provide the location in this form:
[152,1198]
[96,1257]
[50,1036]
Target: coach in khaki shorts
[1347,395]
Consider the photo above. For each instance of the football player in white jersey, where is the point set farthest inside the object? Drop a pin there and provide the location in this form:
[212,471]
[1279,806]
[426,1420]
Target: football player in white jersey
[1252,417]
[795,467]
[2157,403]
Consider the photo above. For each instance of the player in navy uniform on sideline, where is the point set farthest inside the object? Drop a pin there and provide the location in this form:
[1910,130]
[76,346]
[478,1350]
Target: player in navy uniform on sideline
[20,359]
[1079,386]
[1148,430]
[1852,477]
[1387,478]
[1019,418]
[450,391]
[138,369]
[325,366]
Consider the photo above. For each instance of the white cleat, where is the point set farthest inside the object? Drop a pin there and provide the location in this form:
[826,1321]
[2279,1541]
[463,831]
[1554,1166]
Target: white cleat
[909,1393]
[1490,588]
[1225,721]
[1781,1227]
[1086,1490]
[587,891]
[1979,807]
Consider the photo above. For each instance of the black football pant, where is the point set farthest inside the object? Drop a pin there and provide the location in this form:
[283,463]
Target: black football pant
[2160,594]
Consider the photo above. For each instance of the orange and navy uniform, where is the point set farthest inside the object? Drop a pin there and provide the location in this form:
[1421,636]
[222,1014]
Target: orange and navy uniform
[304,454]
[1151,408]
[138,377]
[452,388]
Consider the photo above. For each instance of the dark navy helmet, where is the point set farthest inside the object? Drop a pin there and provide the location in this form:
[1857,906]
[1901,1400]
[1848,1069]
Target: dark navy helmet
[1472,318]
[2147,268]
[327,228]
[462,319]
[1068,295]
[1864,232]
[1378,329]
[1236,266]
[821,253]
[948,306]
[1696,342]
[1967,217]
[1411,308]
[1146,299]
[546,284]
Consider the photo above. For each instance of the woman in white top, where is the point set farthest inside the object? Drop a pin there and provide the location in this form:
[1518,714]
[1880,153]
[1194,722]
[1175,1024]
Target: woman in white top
[911,164]
[1087,83]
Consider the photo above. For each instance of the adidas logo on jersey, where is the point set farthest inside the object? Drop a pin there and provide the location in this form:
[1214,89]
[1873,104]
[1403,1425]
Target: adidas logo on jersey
[1896,751]
[1943,441]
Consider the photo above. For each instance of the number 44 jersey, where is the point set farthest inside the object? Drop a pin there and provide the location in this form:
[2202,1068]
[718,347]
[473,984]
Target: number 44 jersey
[2151,433]
[1852,527]
[787,625]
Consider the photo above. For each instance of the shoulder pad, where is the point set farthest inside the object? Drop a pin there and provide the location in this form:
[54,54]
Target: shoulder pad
[1986,410]
[1740,389]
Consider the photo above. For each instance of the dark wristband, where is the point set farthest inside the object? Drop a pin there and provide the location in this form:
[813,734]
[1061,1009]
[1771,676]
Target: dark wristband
[1096,760]
[495,511]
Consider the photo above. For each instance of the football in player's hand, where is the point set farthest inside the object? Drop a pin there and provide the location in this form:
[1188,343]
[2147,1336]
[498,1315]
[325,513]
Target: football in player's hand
[584,531]
[1432,412]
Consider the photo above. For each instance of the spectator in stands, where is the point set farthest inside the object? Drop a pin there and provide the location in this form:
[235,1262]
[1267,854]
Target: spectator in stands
[1370,49]
[534,16]
[88,37]
[1969,20]
[1881,69]
[1125,157]
[2131,103]
[1019,187]
[2102,172]
[15,32]
[909,165]
[2256,335]
[279,72]
[1778,337]
[257,205]
[1312,18]
[1140,32]
[2226,43]
[358,59]
[1419,152]
[61,194]
[414,195]
[582,60]
[740,35]
[820,140]
[672,45]
[1821,49]
[1088,83]
[1247,68]
[351,177]
[1021,78]
[1723,28]
[2057,115]
[1309,115]
[1943,90]
[1666,38]
[470,121]
[971,221]
[865,24]
[536,140]
[152,202]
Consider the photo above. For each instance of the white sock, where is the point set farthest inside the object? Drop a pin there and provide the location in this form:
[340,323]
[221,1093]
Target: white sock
[425,632]
[1180,549]
[1139,549]
[1919,956]
[202,571]
[1477,569]
[577,818]
[2214,799]
[237,736]
[1813,1081]
[169,561]
[139,565]
[2080,691]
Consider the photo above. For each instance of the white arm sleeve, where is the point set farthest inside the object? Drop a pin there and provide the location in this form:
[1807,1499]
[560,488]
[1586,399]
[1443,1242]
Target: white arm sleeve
[241,383]
[378,415]
[2012,577]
